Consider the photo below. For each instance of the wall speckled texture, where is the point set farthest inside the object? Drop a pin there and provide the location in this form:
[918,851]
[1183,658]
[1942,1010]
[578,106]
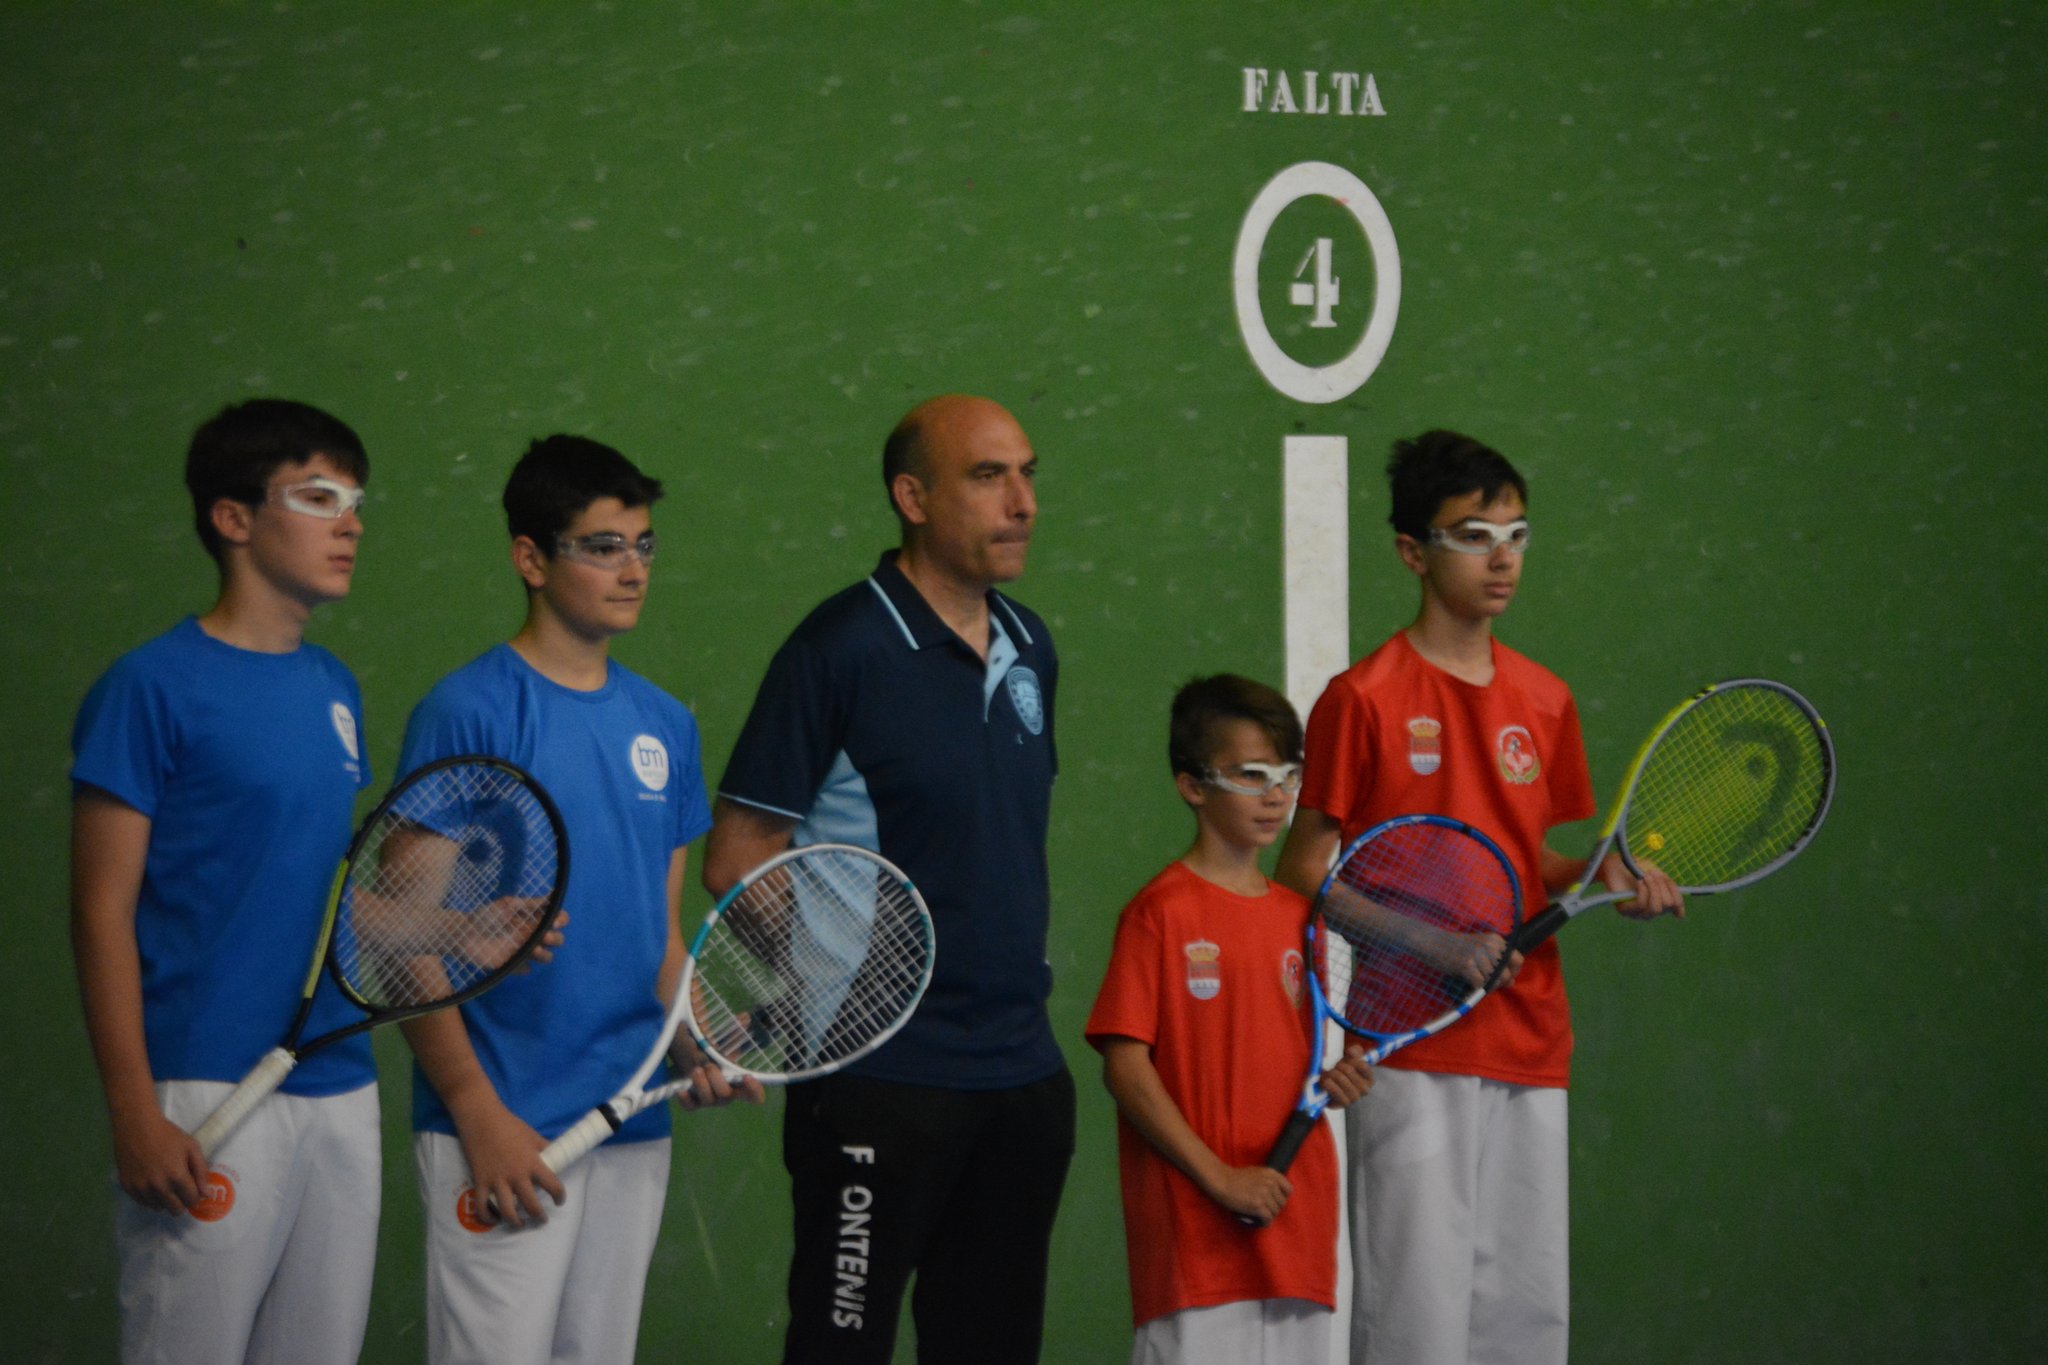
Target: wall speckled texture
[1752,292]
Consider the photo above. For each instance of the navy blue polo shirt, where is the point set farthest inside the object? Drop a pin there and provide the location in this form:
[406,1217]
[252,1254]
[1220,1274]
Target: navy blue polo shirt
[878,726]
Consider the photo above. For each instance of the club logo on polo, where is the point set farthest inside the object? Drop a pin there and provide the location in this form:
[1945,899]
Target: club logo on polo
[1290,975]
[1025,696]
[650,762]
[1425,744]
[1516,753]
[345,726]
[1205,969]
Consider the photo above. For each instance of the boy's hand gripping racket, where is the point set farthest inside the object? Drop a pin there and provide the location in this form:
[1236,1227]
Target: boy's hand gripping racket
[815,959]
[1402,941]
[449,886]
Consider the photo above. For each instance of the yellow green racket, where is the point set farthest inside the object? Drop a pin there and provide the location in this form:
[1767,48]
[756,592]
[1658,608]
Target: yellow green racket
[1728,789]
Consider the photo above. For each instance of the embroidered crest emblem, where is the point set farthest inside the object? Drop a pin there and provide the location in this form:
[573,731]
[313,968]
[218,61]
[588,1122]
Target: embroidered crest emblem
[1425,744]
[650,762]
[1205,969]
[1515,751]
[1025,696]
[1290,975]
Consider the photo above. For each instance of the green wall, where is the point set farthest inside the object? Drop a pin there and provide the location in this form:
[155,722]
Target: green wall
[1751,291]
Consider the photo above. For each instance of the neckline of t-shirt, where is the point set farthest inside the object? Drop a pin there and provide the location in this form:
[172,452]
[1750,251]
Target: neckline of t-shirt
[1271,885]
[263,658]
[591,697]
[1493,646]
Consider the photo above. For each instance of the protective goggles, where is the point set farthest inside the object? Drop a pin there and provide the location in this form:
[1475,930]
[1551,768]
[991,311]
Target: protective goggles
[320,497]
[606,549]
[1473,536]
[1257,779]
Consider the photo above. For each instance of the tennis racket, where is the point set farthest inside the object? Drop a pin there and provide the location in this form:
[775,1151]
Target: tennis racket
[1403,939]
[448,887]
[1728,788]
[815,959]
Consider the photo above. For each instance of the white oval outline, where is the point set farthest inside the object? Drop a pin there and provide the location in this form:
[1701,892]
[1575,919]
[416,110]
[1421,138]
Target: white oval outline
[1310,383]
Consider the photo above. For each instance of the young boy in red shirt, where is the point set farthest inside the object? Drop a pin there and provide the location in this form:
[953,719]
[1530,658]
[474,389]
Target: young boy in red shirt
[1458,1196]
[1202,1022]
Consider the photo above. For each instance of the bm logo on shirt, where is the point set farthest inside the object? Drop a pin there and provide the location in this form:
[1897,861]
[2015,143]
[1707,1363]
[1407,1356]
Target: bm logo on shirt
[650,762]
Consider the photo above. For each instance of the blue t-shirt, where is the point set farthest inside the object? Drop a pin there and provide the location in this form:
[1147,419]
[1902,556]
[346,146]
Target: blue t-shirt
[621,763]
[877,725]
[247,765]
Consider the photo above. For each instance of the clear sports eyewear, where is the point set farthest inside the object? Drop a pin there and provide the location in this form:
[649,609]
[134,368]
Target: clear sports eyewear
[320,497]
[1473,536]
[1257,779]
[606,549]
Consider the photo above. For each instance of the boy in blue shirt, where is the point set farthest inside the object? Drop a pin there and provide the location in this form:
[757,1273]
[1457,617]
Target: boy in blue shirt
[499,1078]
[215,774]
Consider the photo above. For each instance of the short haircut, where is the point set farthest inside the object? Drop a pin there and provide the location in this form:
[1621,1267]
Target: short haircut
[907,451]
[1203,706]
[1440,465]
[233,454]
[560,476]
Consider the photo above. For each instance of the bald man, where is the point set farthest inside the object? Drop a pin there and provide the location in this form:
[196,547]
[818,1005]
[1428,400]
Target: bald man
[913,714]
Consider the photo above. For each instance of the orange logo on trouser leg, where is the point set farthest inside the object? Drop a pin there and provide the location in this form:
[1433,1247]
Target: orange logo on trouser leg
[470,1212]
[217,1200]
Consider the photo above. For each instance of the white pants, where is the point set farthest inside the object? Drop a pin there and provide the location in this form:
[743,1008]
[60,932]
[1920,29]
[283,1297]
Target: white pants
[563,1292]
[1249,1332]
[277,1265]
[1459,1222]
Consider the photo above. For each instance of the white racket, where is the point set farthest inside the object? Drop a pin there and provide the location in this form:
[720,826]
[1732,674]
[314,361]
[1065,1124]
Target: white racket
[815,959]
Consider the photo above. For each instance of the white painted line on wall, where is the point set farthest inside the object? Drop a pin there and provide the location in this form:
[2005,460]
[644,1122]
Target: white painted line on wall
[1318,564]
[1315,529]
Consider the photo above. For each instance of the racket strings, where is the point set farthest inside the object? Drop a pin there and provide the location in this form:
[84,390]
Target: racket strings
[1407,921]
[1735,786]
[446,888]
[810,966]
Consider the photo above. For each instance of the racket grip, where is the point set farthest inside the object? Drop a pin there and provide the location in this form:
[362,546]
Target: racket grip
[1299,1126]
[573,1145]
[1535,931]
[255,1087]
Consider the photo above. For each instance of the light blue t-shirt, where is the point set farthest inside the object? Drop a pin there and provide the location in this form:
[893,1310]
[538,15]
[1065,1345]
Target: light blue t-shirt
[247,765]
[622,765]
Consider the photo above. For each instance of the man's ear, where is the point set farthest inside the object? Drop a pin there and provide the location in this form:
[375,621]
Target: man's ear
[908,493]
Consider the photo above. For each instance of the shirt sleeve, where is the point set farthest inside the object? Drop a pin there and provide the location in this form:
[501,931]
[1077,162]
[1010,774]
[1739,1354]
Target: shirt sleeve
[1127,1006]
[124,741]
[441,727]
[1052,687]
[693,807]
[794,732]
[1571,784]
[1338,754]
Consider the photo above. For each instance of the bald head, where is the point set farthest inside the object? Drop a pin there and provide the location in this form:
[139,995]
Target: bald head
[948,417]
[959,467]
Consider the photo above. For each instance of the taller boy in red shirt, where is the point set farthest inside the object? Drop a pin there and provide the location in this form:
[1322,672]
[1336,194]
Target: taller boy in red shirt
[1459,1217]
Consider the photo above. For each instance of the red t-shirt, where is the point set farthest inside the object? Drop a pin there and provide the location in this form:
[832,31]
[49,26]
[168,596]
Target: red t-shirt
[1396,735]
[1213,982]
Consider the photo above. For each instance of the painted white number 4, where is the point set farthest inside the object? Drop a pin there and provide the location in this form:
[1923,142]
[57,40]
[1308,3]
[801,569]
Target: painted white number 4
[1321,295]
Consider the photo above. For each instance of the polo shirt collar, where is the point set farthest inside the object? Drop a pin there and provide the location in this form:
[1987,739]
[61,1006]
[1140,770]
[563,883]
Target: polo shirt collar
[919,624]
